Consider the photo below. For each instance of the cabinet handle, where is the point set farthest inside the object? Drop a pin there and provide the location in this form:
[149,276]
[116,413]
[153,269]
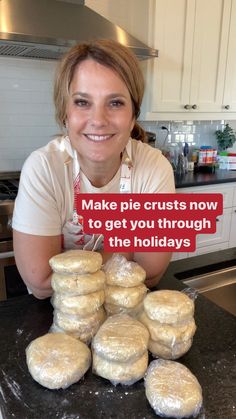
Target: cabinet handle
[194,107]
[187,107]
[227,107]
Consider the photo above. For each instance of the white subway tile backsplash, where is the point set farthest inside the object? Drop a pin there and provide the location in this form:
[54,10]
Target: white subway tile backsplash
[196,133]
[26,109]
[27,114]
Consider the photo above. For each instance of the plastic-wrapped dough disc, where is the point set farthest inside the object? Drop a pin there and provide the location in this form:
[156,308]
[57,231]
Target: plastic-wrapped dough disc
[168,306]
[112,309]
[121,338]
[82,327]
[172,390]
[125,297]
[169,334]
[76,284]
[85,337]
[83,305]
[123,273]
[76,261]
[125,373]
[57,360]
[174,351]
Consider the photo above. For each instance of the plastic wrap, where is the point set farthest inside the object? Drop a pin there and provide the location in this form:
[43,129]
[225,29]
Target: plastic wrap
[125,297]
[121,339]
[123,273]
[172,390]
[168,306]
[57,360]
[81,305]
[174,351]
[169,334]
[112,309]
[192,293]
[75,284]
[82,327]
[126,373]
[76,261]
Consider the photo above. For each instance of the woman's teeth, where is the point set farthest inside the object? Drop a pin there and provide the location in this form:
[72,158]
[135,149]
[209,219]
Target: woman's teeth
[98,137]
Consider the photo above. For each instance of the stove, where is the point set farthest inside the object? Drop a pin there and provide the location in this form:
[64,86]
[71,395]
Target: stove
[11,284]
[9,183]
[8,189]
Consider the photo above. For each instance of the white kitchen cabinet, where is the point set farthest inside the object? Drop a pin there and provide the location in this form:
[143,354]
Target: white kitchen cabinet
[232,240]
[222,231]
[225,235]
[194,76]
[229,99]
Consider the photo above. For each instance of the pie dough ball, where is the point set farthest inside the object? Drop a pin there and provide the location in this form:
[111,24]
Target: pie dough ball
[112,309]
[84,327]
[57,360]
[125,297]
[76,261]
[168,306]
[75,284]
[120,372]
[121,338]
[123,273]
[168,334]
[172,390]
[83,305]
[169,352]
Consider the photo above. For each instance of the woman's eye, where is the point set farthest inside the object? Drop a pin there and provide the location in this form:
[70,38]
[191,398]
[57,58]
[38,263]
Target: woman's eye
[81,103]
[116,103]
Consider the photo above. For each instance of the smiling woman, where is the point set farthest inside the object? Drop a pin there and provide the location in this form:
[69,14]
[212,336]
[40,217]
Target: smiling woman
[97,93]
[98,122]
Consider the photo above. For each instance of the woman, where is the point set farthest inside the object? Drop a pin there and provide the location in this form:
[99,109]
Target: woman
[98,92]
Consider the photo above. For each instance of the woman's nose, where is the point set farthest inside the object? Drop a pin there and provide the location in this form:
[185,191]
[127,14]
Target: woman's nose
[99,116]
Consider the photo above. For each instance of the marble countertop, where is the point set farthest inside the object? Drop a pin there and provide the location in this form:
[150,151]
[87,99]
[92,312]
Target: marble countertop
[201,179]
[212,358]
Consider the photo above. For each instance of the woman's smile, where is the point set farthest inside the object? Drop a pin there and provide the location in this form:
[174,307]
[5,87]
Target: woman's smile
[98,138]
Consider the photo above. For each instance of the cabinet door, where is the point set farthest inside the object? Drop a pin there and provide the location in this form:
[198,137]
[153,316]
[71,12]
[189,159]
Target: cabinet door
[229,100]
[211,26]
[222,233]
[174,43]
[191,36]
[232,239]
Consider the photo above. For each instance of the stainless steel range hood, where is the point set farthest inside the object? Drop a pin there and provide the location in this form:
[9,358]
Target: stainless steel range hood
[47,28]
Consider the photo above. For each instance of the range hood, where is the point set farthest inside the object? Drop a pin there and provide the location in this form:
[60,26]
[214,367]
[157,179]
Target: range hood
[47,28]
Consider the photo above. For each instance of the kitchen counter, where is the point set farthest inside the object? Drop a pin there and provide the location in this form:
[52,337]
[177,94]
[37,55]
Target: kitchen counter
[201,179]
[212,358]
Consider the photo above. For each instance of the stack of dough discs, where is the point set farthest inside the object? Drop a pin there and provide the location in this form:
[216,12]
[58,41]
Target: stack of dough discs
[172,390]
[78,283]
[120,350]
[57,360]
[168,315]
[125,288]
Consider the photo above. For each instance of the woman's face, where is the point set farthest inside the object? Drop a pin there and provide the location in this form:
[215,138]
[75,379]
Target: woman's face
[99,112]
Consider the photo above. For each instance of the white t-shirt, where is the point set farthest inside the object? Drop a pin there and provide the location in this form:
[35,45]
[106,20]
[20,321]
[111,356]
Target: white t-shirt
[45,198]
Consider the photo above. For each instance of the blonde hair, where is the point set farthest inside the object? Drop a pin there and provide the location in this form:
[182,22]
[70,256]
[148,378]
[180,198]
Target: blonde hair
[108,53]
